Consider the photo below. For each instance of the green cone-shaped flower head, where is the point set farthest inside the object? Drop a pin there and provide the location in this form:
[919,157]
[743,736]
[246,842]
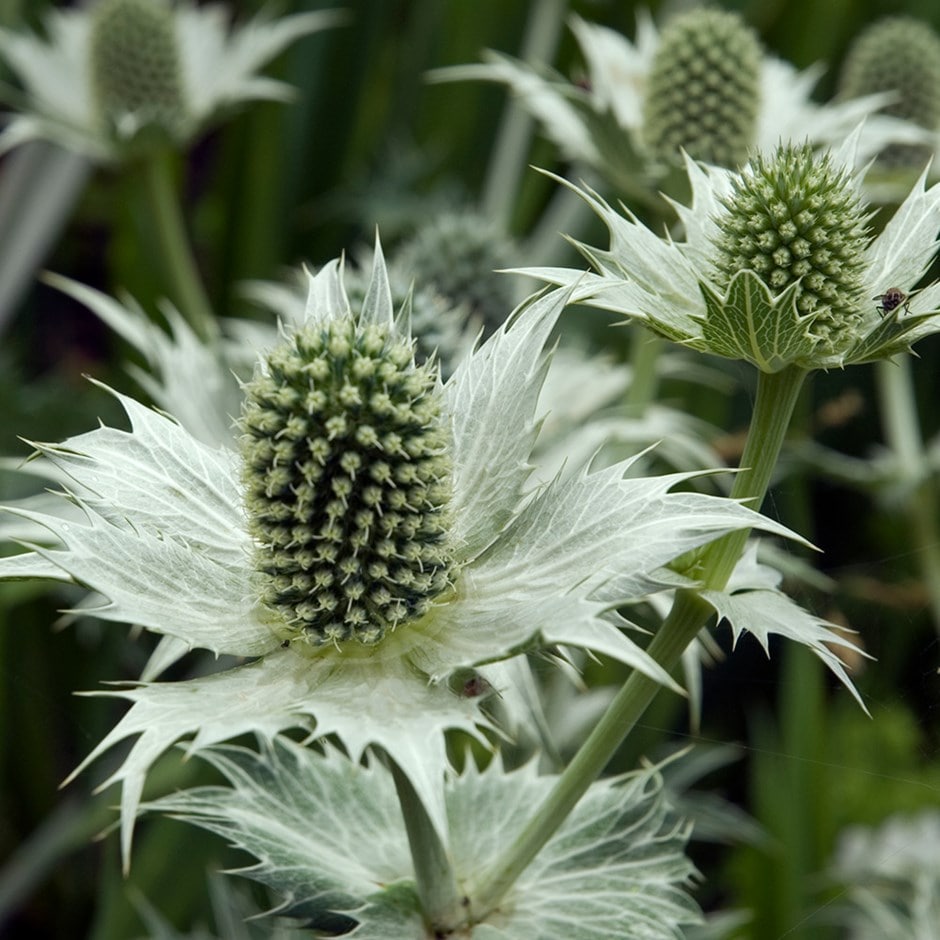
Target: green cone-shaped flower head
[458,254]
[900,55]
[135,64]
[347,476]
[703,90]
[796,218]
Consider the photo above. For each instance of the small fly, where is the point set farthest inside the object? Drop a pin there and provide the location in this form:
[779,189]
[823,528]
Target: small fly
[891,299]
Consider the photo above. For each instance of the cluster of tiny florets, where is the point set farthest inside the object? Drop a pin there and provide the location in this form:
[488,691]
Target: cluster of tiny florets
[135,66]
[703,90]
[458,255]
[347,479]
[793,216]
[900,55]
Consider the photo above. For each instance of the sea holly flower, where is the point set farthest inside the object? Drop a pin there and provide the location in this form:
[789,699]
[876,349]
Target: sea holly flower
[616,867]
[107,73]
[374,539]
[702,84]
[913,82]
[703,89]
[778,266]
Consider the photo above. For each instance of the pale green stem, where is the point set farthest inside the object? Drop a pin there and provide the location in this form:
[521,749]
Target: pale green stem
[511,148]
[434,873]
[170,230]
[776,398]
[645,354]
[902,432]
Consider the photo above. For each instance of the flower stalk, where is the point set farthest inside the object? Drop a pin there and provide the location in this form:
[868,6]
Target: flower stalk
[434,873]
[776,398]
[170,231]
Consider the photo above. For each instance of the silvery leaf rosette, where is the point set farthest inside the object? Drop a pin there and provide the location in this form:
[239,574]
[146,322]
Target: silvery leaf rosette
[374,539]
[330,843]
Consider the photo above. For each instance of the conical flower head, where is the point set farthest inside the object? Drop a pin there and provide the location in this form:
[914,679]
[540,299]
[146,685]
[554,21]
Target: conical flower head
[795,218]
[135,64]
[899,55]
[703,91]
[347,473]
[458,254]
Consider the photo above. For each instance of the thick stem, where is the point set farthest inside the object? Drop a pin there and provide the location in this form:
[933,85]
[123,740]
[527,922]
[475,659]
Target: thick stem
[179,265]
[902,432]
[434,873]
[776,398]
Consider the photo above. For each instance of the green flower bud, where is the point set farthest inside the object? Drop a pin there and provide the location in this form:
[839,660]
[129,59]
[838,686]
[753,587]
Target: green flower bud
[457,254]
[703,90]
[901,55]
[135,64]
[792,216]
[347,479]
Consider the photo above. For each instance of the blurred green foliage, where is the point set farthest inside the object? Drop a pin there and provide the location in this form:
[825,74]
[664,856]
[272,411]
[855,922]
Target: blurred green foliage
[366,142]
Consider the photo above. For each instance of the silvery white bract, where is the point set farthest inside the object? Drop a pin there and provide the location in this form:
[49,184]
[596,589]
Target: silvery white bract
[196,382]
[892,877]
[594,120]
[670,286]
[162,533]
[218,68]
[615,868]
[194,379]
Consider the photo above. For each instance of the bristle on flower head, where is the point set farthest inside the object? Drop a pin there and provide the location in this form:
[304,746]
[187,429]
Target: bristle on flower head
[347,476]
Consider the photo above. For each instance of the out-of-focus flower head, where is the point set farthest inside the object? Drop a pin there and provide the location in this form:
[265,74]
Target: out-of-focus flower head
[703,84]
[120,75]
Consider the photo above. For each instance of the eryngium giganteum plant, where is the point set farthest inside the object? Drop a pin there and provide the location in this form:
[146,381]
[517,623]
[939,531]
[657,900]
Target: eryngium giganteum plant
[118,75]
[779,266]
[374,539]
[702,84]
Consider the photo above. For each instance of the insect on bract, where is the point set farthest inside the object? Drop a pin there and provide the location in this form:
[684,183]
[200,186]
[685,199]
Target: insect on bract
[891,299]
